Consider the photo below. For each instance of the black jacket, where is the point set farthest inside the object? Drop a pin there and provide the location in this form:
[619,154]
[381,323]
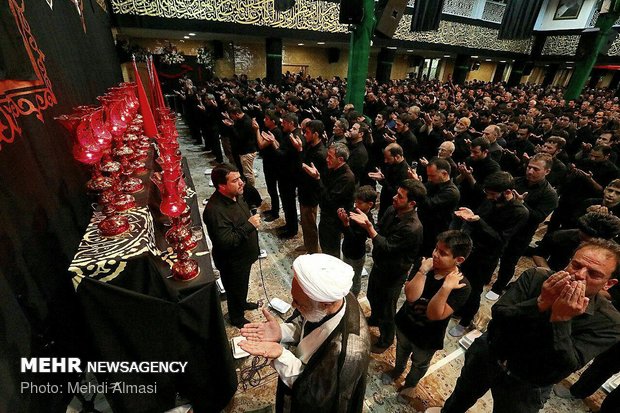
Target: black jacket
[396,246]
[235,239]
[310,188]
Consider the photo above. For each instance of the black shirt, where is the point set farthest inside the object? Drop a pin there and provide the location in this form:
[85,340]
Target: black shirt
[542,352]
[337,191]
[244,139]
[235,239]
[358,160]
[310,188]
[396,246]
[413,322]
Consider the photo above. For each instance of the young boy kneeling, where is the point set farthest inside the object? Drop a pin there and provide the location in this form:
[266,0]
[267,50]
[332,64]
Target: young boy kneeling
[433,294]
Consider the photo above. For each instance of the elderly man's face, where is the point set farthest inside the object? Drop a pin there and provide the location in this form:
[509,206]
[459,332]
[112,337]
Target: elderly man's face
[594,266]
[309,309]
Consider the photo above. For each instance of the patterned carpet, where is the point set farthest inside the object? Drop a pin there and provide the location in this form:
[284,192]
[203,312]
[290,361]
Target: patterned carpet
[272,277]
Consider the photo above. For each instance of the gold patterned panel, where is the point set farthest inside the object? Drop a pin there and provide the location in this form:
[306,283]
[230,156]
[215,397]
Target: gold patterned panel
[305,15]
[465,35]
[103,258]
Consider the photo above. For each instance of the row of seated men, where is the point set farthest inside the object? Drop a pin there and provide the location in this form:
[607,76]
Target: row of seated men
[505,165]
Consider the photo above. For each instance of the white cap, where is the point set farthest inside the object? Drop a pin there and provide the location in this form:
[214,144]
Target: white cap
[323,278]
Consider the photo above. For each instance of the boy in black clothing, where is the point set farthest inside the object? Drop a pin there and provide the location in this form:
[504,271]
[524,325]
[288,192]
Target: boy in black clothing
[433,294]
[354,243]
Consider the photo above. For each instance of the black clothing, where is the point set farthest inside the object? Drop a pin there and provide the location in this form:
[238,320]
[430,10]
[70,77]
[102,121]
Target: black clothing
[244,139]
[557,176]
[498,223]
[409,143]
[429,142]
[461,146]
[541,200]
[337,191]
[289,175]
[523,354]
[559,247]
[235,247]
[395,249]
[472,195]
[413,322]
[436,212]
[358,160]
[354,242]
[310,188]
[394,174]
[271,164]
[543,352]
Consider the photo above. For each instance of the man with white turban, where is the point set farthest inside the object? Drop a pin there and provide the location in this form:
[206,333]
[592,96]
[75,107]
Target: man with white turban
[326,371]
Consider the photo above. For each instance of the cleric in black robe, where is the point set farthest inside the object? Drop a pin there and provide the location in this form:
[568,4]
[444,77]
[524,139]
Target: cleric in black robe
[326,371]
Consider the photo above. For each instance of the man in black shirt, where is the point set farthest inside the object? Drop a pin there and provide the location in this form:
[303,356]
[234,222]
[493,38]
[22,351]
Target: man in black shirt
[396,242]
[358,155]
[290,173]
[545,327]
[337,190]
[244,142]
[406,139]
[495,222]
[474,172]
[269,144]
[442,198]
[392,175]
[233,231]
[314,155]
[540,199]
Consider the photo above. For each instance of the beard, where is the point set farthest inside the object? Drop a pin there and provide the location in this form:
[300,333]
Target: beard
[315,315]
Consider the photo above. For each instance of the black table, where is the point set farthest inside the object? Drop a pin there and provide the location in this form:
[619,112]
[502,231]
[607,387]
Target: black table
[136,313]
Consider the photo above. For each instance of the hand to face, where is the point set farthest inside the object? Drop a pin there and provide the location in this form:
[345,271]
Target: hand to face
[265,349]
[571,302]
[344,217]
[267,331]
[426,265]
[518,196]
[453,280]
[268,136]
[551,289]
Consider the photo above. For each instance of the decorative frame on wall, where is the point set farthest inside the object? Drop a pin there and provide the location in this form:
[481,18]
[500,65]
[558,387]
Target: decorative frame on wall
[568,9]
[24,97]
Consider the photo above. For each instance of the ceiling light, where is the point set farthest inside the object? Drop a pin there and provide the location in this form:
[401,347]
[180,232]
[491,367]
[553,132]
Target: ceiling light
[320,42]
[446,55]
[410,51]
[192,34]
[186,37]
[392,47]
[502,61]
[300,44]
[474,57]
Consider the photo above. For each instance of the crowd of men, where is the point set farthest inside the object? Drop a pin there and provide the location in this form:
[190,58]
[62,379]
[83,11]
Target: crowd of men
[465,174]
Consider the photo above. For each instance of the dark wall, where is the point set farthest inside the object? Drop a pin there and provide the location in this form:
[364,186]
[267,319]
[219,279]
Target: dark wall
[43,205]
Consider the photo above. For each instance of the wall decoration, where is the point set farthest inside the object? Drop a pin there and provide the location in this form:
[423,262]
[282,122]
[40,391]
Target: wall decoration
[169,54]
[464,8]
[243,59]
[305,15]
[493,11]
[465,35]
[568,9]
[205,58]
[561,45]
[24,97]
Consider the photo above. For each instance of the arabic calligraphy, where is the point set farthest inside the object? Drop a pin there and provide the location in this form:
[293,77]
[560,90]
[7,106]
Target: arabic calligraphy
[305,15]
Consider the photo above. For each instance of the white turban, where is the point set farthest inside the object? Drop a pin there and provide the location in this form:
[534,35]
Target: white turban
[322,277]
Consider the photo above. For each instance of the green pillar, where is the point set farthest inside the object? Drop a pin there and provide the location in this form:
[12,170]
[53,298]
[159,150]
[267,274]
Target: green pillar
[584,66]
[359,54]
